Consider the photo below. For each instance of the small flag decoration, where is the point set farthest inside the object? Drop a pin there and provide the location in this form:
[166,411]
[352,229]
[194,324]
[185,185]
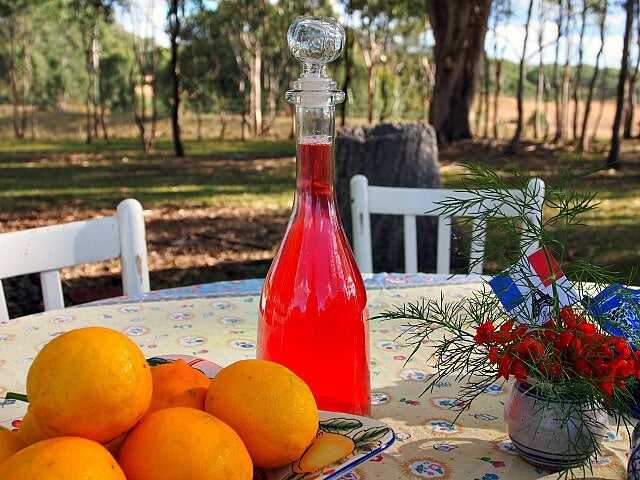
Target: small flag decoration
[529,290]
[617,308]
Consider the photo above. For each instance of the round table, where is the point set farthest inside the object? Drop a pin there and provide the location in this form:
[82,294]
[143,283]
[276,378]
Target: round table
[218,322]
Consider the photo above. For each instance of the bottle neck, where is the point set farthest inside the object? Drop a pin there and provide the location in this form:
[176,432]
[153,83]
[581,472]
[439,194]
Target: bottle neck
[315,129]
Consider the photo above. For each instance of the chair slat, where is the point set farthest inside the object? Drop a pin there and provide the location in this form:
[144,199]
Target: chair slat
[444,245]
[410,244]
[51,290]
[4,313]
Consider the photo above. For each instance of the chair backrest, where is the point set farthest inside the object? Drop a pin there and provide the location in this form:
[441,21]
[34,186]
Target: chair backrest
[412,202]
[45,250]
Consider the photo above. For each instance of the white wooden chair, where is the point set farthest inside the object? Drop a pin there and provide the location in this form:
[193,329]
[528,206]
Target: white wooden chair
[412,202]
[45,250]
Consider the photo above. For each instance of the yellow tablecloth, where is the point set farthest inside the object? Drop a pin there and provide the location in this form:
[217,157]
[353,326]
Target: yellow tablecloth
[223,329]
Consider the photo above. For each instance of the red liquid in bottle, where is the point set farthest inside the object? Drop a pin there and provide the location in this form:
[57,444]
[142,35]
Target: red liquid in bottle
[313,310]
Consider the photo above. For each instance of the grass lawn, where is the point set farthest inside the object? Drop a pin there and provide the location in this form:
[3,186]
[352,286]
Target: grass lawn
[220,212]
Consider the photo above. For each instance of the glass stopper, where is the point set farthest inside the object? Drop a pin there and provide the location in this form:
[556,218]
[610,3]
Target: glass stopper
[315,41]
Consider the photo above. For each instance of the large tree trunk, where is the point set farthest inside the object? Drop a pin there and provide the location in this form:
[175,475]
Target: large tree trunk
[513,145]
[613,159]
[459,28]
[584,139]
[390,155]
[174,33]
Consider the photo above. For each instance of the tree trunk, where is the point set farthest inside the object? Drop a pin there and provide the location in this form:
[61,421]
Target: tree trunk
[223,119]
[630,103]
[479,107]
[154,95]
[371,54]
[513,145]
[556,76]
[485,133]
[104,124]
[245,122]
[603,95]
[95,64]
[496,101]
[541,76]
[613,159]
[578,80]
[390,155]
[174,33]
[566,77]
[349,72]
[16,89]
[255,89]
[459,29]
[138,111]
[584,139]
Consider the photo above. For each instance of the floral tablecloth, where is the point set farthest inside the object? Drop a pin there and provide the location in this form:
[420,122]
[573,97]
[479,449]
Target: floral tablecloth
[219,323]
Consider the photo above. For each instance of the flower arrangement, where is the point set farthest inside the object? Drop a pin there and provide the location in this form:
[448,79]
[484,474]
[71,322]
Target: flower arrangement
[570,348]
[558,345]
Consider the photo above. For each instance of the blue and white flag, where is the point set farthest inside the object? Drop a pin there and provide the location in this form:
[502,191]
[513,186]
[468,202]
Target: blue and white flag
[528,291]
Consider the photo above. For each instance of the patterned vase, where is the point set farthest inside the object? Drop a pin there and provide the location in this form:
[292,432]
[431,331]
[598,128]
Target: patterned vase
[633,469]
[546,430]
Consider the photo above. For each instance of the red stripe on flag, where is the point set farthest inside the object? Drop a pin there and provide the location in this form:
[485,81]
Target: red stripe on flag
[541,263]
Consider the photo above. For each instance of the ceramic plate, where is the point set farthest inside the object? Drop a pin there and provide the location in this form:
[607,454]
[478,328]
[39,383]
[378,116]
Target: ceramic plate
[343,441]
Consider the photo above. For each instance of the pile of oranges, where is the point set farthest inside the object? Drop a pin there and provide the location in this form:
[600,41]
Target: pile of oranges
[98,410]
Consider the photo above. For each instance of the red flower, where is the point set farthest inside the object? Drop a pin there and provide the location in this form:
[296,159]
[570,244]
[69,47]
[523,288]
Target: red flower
[483,332]
[530,347]
[569,317]
[563,340]
[607,386]
[587,328]
[493,354]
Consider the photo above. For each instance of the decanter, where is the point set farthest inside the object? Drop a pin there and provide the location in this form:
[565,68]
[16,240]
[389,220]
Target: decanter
[313,315]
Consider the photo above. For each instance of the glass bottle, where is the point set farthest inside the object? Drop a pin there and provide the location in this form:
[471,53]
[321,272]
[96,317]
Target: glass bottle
[313,315]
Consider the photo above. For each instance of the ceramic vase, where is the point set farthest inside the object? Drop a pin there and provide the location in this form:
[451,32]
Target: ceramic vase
[633,469]
[546,431]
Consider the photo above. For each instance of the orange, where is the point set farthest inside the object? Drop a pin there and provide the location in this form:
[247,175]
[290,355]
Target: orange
[62,458]
[270,407]
[176,384]
[184,443]
[29,431]
[9,443]
[91,382]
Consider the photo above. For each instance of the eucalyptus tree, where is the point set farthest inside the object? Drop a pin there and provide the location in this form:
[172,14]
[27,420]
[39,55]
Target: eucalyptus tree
[459,28]
[577,84]
[613,158]
[175,15]
[600,9]
[631,97]
[513,145]
[90,16]
[501,12]
[15,15]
